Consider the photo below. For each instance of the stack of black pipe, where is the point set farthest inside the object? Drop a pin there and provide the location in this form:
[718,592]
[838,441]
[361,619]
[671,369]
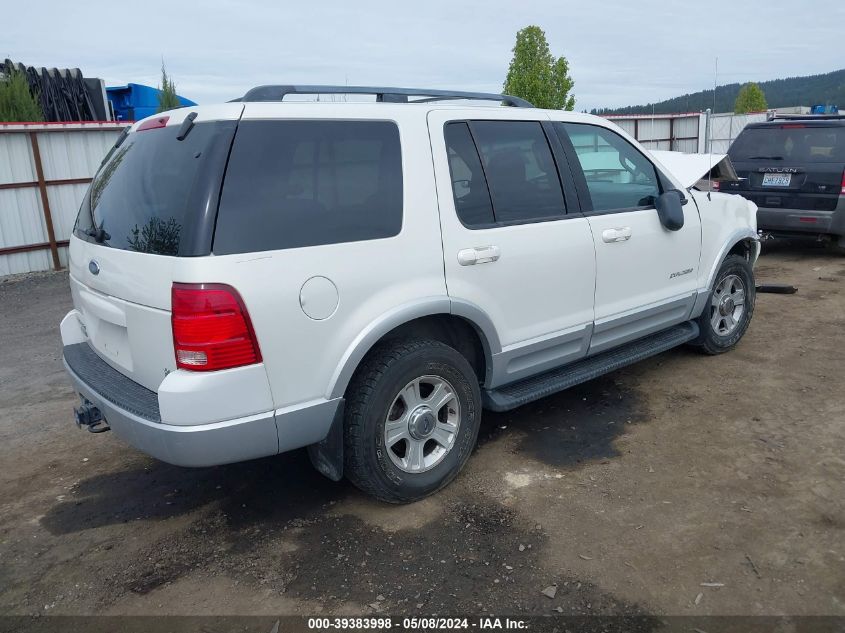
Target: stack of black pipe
[64,95]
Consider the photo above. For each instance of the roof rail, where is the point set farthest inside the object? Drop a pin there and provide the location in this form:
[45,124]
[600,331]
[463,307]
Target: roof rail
[386,94]
[803,117]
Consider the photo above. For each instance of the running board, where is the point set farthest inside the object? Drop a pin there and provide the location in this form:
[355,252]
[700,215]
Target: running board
[536,387]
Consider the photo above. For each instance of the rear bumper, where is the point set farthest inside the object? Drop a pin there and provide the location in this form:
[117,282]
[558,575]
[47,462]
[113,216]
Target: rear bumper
[198,445]
[132,413]
[800,221]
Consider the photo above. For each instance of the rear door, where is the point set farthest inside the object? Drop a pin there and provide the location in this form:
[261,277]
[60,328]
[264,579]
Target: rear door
[514,244]
[151,203]
[645,274]
[794,166]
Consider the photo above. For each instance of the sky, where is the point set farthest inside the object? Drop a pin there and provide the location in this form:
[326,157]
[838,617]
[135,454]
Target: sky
[620,53]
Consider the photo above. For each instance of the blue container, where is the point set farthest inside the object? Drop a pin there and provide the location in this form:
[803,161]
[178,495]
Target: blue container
[136,101]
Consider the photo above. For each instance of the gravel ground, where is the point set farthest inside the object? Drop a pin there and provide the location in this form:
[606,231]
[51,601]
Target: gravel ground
[684,485]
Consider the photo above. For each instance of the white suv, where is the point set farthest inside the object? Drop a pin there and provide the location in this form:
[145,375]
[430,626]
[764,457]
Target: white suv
[363,278]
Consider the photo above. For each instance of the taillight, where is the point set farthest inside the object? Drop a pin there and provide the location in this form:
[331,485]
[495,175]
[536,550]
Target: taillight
[716,186]
[842,189]
[211,328]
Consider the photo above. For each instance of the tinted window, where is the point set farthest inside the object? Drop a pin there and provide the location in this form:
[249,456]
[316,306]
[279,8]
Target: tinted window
[150,191]
[618,176]
[302,183]
[790,142]
[520,170]
[469,186]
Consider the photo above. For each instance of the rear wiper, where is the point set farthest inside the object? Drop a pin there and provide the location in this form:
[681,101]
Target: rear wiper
[765,158]
[99,235]
[186,127]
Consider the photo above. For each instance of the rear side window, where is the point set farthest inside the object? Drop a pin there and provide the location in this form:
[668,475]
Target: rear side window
[151,192]
[791,142]
[469,186]
[617,175]
[520,170]
[298,183]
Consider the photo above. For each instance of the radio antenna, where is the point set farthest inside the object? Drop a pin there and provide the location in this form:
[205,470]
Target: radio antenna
[710,131]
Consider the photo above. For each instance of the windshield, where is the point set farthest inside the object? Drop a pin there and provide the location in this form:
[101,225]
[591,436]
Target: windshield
[790,143]
[152,192]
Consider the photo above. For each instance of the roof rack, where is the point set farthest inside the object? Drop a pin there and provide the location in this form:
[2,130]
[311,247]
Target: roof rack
[803,117]
[386,94]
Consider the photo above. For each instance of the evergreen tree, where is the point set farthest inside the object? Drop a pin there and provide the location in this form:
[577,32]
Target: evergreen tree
[167,99]
[535,75]
[17,103]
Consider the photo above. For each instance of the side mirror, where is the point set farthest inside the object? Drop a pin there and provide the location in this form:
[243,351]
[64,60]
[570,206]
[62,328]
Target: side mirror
[670,210]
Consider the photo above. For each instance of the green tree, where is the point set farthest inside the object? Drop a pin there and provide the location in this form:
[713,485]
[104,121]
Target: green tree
[750,99]
[534,73]
[167,99]
[17,103]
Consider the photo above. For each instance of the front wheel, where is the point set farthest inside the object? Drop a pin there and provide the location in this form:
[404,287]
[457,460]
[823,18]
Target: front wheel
[729,308]
[412,418]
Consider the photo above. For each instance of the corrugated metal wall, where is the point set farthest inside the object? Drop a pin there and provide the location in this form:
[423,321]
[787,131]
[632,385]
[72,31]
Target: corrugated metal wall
[70,154]
[673,132]
[686,132]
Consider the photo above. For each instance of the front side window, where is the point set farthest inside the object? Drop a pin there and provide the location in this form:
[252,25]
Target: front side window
[294,183]
[617,175]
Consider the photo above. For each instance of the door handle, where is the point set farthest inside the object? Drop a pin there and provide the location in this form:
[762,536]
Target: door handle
[619,234]
[478,255]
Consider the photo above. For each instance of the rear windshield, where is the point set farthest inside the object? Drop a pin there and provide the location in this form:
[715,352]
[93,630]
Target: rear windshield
[295,183]
[152,192]
[791,143]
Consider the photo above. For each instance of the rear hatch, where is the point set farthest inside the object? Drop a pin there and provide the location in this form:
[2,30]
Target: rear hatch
[795,165]
[152,203]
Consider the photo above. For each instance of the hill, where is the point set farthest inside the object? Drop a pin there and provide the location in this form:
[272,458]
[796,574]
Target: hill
[828,88]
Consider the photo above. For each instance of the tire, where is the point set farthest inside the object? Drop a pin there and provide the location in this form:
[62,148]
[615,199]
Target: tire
[721,326]
[377,403]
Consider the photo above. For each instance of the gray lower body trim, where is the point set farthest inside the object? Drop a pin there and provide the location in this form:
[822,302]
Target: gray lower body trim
[197,445]
[226,442]
[305,425]
[616,331]
[701,298]
[515,363]
[542,385]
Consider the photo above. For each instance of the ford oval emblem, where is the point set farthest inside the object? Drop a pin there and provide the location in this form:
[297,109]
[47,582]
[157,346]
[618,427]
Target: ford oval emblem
[94,267]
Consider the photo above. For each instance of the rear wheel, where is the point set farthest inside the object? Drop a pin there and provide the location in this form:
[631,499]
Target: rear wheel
[412,418]
[729,308]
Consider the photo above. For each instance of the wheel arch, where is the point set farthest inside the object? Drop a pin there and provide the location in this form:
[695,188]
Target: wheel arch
[456,323]
[744,242]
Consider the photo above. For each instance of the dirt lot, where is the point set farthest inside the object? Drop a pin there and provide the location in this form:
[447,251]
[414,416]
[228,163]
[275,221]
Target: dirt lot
[683,485]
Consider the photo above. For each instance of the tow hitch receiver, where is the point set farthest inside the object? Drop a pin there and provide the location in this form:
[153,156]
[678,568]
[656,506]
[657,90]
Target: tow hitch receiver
[88,416]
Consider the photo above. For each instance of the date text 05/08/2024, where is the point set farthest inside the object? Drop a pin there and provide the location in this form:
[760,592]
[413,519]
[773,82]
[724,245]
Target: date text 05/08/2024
[410,624]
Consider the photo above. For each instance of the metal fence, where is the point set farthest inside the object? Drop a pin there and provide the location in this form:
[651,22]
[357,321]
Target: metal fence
[724,128]
[686,132]
[673,132]
[45,169]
